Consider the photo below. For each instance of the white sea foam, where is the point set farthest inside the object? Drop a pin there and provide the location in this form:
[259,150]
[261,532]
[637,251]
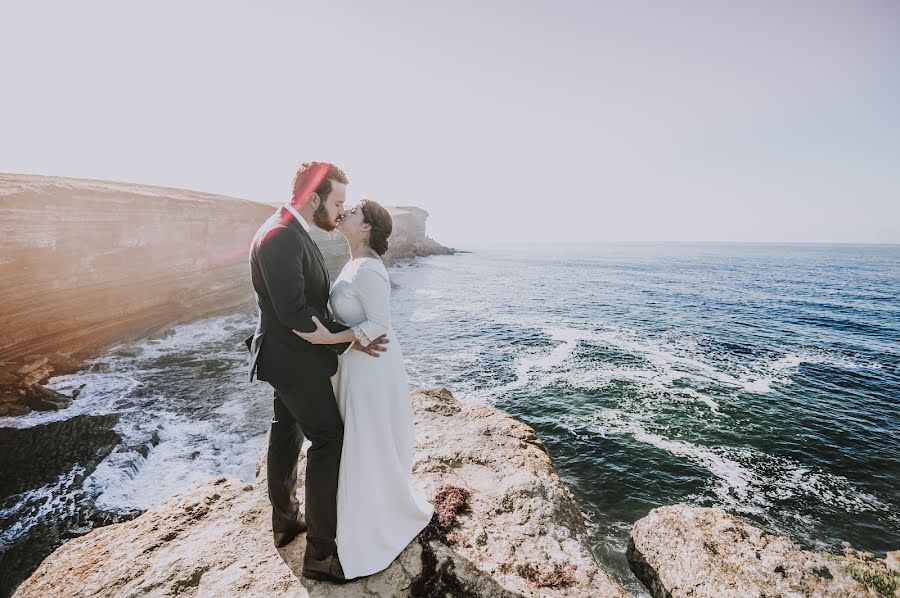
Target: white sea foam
[537,366]
[746,480]
[190,336]
[652,382]
[672,365]
[46,502]
[541,367]
[734,481]
[424,315]
[99,395]
[189,451]
[103,390]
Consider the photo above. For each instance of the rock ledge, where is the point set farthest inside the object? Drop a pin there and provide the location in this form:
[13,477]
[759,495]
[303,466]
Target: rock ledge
[680,551]
[522,534]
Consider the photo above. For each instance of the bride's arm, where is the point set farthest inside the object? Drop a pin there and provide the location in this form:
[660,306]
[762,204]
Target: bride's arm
[374,292]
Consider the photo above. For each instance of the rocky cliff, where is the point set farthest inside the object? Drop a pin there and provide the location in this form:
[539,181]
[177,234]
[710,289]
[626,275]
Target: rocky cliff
[410,239]
[683,551]
[85,264]
[505,526]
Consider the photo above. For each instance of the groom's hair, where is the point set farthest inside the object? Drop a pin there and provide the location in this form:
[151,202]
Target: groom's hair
[334,174]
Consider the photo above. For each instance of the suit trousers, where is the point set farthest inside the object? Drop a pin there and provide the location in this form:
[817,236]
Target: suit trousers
[307,409]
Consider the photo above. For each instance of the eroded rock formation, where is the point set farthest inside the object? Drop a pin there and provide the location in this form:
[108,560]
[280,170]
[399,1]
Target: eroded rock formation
[683,551]
[410,239]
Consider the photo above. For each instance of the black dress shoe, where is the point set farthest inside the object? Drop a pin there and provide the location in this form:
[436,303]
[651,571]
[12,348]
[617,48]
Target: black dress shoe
[325,569]
[283,538]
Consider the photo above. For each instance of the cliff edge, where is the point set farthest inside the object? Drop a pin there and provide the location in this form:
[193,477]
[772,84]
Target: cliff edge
[504,526]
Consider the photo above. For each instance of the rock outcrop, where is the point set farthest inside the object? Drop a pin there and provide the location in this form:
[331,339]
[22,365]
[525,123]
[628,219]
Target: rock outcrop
[410,238]
[520,535]
[44,469]
[683,551]
[85,264]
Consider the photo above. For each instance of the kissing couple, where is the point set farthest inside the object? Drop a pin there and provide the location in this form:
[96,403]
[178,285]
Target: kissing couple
[341,394]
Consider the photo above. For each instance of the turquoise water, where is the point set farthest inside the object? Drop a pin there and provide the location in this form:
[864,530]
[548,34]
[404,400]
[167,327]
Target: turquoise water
[760,378]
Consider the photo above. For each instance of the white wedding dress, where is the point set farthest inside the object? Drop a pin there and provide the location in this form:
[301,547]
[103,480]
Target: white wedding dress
[379,511]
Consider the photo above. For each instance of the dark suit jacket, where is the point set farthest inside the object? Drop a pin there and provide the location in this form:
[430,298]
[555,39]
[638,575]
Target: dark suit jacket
[292,285]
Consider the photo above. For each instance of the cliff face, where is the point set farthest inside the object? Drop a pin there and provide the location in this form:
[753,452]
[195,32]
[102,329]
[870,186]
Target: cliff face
[515,530]
[85,264]
[89,263]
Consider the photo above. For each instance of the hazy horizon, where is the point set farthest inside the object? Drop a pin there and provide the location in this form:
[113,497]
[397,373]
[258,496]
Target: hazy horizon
[509,122]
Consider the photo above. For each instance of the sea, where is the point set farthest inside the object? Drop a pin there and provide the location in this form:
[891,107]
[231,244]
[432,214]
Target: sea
[760,378]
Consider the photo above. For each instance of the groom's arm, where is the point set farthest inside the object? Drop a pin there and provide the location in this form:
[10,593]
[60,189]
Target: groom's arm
[283,276]
[335,327]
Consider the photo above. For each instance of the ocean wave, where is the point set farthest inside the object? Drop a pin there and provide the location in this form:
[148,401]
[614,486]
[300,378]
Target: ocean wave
[98,394]
[36,506]
[679,366]
[210,334]
[167,441]
[743,479]
[185,450]
[535,366]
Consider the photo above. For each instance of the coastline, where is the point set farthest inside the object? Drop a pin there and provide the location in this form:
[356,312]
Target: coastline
[662,562]
[88,264]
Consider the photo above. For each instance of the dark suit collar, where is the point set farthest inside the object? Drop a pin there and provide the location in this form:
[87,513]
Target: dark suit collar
[288,219]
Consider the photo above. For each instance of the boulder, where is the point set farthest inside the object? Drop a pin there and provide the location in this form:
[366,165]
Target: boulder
[680,551]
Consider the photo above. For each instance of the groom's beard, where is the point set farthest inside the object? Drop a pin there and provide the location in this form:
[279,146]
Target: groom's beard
[320,219]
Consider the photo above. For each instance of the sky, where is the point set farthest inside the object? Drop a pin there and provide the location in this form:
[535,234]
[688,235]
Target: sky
[508,121]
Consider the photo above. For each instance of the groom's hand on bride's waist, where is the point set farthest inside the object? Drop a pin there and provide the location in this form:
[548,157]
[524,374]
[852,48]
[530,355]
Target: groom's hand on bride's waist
[379,345]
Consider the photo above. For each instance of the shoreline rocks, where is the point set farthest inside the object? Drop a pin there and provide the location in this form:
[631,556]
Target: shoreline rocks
[410,239]
[515,529]
[680,551]
[45,466]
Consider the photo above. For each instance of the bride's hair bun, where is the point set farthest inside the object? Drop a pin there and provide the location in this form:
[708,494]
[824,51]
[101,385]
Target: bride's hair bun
[380,221]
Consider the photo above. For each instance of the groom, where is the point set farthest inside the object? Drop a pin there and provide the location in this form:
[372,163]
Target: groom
[292,285]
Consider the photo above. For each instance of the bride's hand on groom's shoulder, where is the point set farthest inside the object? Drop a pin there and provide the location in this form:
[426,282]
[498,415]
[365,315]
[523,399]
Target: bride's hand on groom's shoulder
[379,345]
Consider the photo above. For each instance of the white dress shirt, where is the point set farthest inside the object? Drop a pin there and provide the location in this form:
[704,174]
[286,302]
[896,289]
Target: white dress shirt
[297,215]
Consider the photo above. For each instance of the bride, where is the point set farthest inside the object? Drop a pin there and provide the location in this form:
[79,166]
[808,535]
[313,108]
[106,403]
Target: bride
[378,510]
